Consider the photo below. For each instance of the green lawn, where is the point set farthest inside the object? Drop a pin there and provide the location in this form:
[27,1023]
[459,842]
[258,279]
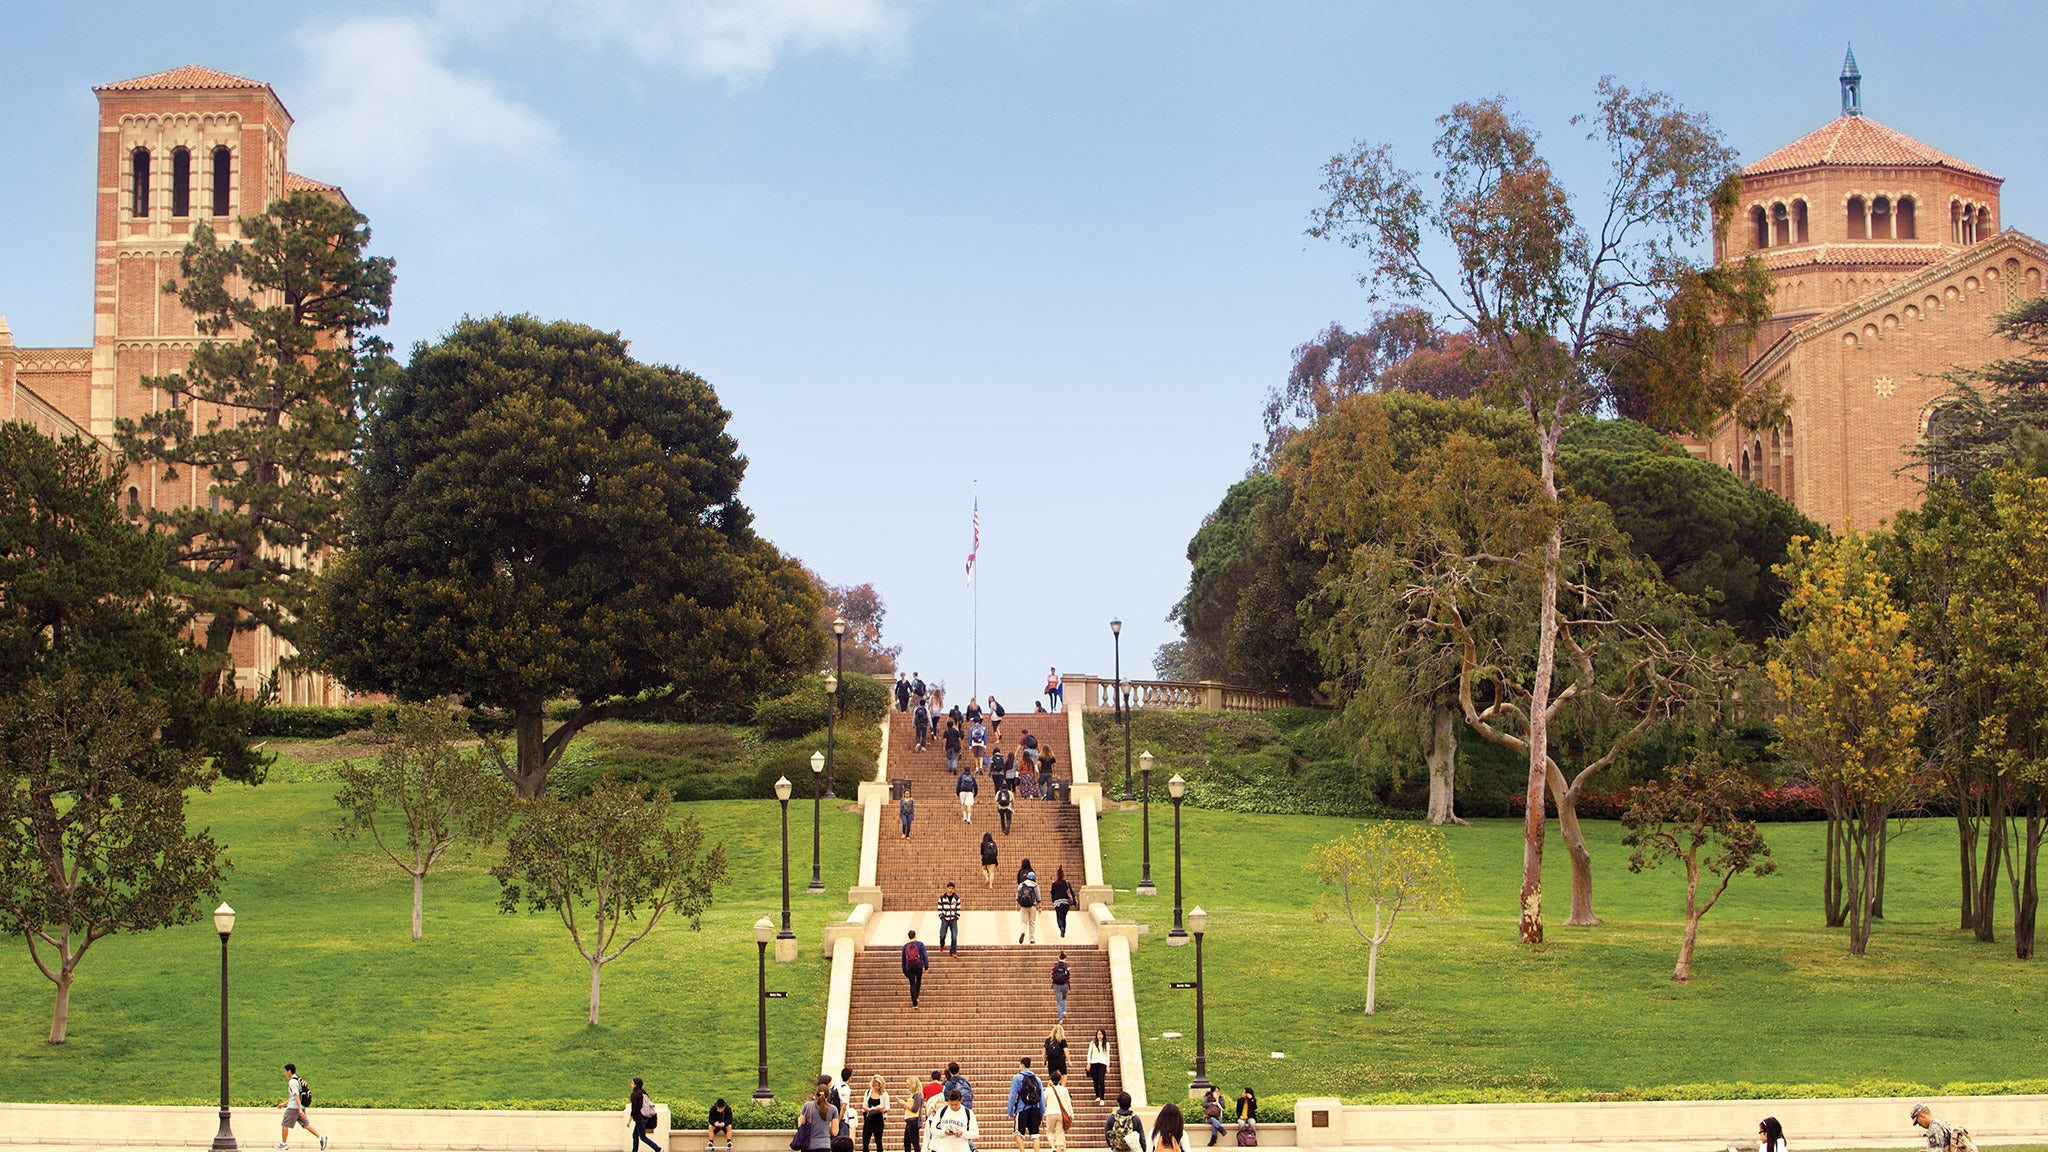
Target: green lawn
[1466,1012]
[488,1008]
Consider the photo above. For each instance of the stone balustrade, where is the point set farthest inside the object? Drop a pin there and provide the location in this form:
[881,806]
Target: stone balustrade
[1098,694]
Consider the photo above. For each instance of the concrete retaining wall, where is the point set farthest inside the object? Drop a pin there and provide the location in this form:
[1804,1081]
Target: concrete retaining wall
[105,1126]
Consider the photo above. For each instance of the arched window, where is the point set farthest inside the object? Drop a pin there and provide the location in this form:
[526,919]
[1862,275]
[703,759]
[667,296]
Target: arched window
[1788,489]
[222,164]
[1983,230]
[134,502]
[1859,228]
[1902,219]
[1776,474]
[1760,225]
[1940,422]
[1781,225]
[1881,218]
[138,192]
[1799,221]
[181,182]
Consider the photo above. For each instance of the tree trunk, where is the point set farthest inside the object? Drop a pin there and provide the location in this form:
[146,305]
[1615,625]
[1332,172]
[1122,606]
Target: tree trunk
[1884,846]
[1582,860]
[1997,856]
[60,1014]
[1834,876]
[1865,833]
[1683,972]
[1539,727]
[596,967]
[419,902]
[1372,977]
[1441,755]
[2028,903]
[1966,845]
[530,776]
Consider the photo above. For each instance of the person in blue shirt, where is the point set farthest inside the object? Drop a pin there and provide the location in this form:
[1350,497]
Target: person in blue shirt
[1027,1103]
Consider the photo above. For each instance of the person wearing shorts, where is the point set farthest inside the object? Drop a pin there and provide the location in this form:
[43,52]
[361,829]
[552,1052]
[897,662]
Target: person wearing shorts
[1027,1103]
[295,1107]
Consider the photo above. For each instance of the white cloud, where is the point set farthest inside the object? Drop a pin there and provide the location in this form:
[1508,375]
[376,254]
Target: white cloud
[379,107]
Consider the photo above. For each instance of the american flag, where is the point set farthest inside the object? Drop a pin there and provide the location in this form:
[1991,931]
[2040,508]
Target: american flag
[976,549]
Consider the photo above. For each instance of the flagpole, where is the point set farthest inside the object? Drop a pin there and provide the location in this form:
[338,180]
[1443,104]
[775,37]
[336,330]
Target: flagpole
[975,626]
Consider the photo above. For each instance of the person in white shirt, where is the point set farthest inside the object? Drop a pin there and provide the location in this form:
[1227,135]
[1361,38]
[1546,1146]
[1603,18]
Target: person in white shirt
[952,1126]
[1098,1061]
[1059,1112]
[295,1107]
[1770,1135]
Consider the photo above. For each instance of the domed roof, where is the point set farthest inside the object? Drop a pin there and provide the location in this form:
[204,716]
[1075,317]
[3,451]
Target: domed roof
[1859,141]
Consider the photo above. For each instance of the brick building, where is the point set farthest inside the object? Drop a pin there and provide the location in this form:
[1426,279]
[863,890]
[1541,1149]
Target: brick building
[1890,265]
[176,149]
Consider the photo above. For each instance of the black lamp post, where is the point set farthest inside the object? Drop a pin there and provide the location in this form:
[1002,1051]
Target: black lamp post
[817,772]
[763,932]
[224,923]
[839,651]
[1123,717]
[1145,885]
[1199,921]
[831,707]
[782,791]
[1177,788]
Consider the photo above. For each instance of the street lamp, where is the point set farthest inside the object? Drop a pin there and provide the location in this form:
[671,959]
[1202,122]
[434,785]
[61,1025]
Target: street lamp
[1176,788]
[839,651]
[763,932]
[1145,885]
[782,791]
[224,923]
[1116,634]
[817,772]
[831,706]
[1199,921]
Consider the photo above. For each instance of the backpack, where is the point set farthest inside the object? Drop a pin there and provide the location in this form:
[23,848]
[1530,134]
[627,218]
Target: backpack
[1060,972]
[1959,1140]
[1028,1093]
[1027,895]
[1247,1135]
[306,1098]
[1117,1131]
[910,959]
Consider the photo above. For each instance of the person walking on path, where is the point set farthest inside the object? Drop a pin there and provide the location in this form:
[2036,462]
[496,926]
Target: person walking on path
[918,692]
[995,715]
[1029,744]
[988,859]
[1098,1061]
[1056,1051]
[921,725]
[1169,1129]
[1937,1132]
[1027,1103]
[1055,691]
[1123,1131]
[952,742]
[1062,894]
[949,920]
[902,692]
[1027,780]
[1027,907]
[641,1108]
[1061,974]
[718,1123]
[933,1089]
[1770,1135]
[965,788]
[297,1103]
[819,1118]
[952,1125]
[916,962]
[1212,1114]
[874,1113]
[906,810]
[913,1115]
[977,737]
[1059,1111]
[1005,802]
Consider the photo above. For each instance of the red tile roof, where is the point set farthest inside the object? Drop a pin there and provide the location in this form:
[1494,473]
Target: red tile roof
[1859,141]
[189,76]
[1905,255]
[293,182]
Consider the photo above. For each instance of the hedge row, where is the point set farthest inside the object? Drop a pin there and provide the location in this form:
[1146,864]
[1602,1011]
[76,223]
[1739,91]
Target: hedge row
[302,722]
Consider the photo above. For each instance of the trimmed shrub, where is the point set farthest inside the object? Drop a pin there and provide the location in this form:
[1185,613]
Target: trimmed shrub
[300,722]
[802,709]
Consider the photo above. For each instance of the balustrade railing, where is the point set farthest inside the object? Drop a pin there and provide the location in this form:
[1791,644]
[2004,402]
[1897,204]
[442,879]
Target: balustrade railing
[1098,694]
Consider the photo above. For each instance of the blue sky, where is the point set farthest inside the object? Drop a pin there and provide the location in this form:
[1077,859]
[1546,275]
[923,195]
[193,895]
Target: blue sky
[1055,247]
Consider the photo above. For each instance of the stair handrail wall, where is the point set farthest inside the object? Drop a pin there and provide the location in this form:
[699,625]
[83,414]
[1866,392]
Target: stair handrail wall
[1085,693]
[1117,937]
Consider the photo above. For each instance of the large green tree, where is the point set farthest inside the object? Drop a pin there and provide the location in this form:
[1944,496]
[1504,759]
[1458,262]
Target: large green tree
[104,727]
[265,411]
[538,515]
[1561,313]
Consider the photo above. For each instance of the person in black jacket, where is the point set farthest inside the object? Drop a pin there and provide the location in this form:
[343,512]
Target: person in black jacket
[1062,898]
[988,858]
[641,1109]
[719,1123]
[952,742]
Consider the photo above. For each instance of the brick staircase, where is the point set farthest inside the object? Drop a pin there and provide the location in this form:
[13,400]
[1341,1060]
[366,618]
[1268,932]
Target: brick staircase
[990,1004]
[942,847]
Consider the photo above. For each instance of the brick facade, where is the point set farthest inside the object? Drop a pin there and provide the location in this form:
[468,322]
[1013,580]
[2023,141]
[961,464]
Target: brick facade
[176,149]
[1890,267]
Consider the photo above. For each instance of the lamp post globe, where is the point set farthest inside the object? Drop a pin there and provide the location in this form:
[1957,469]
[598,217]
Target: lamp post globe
[1176,788]
[224,923]
[764,931]
[1198,920]
[1123,719]
[839,654]
[831,709]
[817,886]
[782,792]
[1145,885]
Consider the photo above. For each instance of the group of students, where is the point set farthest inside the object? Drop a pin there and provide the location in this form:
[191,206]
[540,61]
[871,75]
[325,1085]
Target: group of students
[1124,1132]
[1023,774]
[939,1115]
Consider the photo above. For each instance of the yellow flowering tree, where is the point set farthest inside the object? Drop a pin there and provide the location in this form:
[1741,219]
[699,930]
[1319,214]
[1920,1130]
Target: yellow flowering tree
[1391,868]
[1848,682]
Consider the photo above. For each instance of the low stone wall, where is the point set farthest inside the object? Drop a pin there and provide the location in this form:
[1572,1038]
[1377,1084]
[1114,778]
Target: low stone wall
[1326,1123]
[435,1129]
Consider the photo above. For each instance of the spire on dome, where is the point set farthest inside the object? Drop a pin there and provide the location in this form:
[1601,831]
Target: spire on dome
[1852,85]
